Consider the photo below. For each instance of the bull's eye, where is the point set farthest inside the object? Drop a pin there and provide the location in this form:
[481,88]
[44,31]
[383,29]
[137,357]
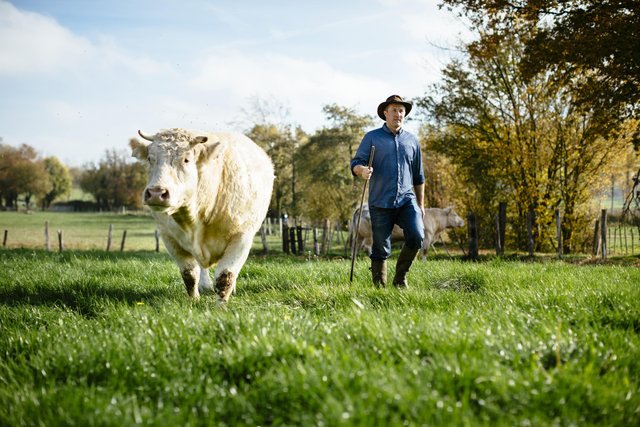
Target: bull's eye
[186,160]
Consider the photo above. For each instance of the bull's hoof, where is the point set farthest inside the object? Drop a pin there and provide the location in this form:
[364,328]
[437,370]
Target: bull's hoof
[224,285]
[190,284]
[193,292]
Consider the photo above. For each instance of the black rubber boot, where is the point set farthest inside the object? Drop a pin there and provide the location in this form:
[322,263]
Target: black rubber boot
[379,272]
[405,259]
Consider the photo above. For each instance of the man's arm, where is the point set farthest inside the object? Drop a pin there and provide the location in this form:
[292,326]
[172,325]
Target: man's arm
[419,190]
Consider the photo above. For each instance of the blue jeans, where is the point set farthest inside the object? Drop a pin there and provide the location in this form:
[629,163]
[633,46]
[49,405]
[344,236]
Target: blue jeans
[408,217]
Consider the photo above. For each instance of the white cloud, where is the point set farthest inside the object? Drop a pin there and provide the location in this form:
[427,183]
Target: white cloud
[424,22]
[34,44]
[306,86]
[30,43]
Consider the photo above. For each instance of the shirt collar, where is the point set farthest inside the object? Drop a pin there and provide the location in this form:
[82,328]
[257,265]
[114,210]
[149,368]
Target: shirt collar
[386,129]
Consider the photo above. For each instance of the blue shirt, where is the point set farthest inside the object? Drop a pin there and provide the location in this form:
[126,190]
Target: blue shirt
[397,166]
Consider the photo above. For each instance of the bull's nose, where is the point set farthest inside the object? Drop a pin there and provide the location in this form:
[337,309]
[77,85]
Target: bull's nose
[156,195]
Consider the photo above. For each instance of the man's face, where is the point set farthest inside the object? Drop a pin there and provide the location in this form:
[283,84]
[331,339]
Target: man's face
[394,115]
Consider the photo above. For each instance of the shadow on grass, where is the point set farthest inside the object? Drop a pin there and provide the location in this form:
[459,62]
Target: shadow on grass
[82,298]
[87,296]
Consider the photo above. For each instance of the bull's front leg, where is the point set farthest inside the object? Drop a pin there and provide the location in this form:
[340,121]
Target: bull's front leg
[228,268]
[189,268]
[190,273]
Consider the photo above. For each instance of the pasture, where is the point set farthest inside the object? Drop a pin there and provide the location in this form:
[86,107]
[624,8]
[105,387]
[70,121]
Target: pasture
[82,230]
[95,338]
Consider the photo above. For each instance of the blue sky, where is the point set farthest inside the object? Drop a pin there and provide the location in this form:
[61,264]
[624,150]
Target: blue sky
[80,77]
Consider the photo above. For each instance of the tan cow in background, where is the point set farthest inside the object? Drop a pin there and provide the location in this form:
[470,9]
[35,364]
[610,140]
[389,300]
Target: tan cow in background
[436,220]
[208,193]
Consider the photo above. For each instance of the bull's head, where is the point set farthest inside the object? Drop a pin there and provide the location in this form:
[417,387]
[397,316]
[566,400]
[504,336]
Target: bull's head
[174,157]
[453,219]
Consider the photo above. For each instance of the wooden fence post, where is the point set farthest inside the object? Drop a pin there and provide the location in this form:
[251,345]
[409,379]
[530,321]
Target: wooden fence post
[300,241]
[60,242]
[603,234]
[124,238]
[498,241]
[559,232]
[502,225]
[285,238]
[4,240]
[109,237]
[316,247]
[263,238]
[473,236]
[325,237]
[47,245]
[292,240]
[596,238]
[530,218]
[157,236]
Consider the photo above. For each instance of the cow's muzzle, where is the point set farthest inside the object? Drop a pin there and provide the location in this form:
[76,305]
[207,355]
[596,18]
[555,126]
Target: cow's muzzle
[156,196]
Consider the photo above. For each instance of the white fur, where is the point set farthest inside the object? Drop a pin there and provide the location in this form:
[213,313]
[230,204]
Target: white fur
[219,195]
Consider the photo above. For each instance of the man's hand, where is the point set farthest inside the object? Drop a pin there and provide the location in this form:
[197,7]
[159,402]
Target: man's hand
[363,172]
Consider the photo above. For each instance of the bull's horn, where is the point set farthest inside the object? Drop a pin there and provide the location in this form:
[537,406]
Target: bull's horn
[147,137]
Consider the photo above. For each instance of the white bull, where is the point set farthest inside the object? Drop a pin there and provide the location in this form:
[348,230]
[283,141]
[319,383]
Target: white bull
[436,220]
[208,193]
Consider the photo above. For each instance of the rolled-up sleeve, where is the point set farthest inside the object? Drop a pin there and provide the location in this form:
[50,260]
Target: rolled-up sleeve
[362,153]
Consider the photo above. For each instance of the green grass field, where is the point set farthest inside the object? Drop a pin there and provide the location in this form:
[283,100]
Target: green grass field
[89,337]
[89,231]
[96,338]
[84,231]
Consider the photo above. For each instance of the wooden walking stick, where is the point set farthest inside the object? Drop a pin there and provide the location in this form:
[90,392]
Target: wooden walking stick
[354,239]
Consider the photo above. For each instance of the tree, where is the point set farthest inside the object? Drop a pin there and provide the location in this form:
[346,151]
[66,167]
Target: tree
[21,173]
[32,180]
[596,41]
[440,172]
[268,124]
[329,186]
[60,181]
[115,182]
[518,139]
[281,144]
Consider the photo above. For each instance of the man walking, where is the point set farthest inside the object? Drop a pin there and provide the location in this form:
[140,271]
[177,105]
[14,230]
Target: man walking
[396,190]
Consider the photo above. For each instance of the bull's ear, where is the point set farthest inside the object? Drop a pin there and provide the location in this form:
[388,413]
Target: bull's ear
[448,210]
[139,150]
[208,148]
[199,140]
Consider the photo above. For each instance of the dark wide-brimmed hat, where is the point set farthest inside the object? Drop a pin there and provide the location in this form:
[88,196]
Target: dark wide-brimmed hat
[394,99]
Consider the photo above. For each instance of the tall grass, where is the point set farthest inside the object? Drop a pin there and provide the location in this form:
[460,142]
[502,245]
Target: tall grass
[94,338]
